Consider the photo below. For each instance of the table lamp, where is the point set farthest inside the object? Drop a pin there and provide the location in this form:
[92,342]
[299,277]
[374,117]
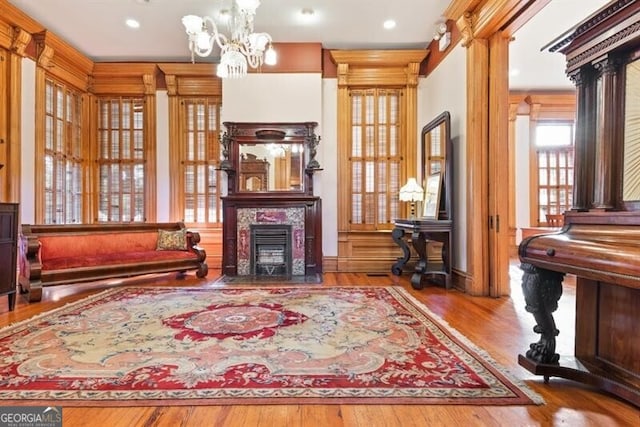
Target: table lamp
[411,192]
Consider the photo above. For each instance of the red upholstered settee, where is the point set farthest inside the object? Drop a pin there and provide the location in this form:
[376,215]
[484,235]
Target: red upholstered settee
[64,254]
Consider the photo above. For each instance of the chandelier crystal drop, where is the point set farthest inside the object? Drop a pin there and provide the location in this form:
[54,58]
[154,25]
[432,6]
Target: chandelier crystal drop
[241,49]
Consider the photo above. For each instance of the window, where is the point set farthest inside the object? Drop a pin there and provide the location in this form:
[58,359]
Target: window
[554,143]
[63,159]
[375,158]
[121,159]
[200,158]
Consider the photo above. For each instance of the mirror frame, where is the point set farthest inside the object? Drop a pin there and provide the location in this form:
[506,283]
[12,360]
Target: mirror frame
[240,133]
[442,121]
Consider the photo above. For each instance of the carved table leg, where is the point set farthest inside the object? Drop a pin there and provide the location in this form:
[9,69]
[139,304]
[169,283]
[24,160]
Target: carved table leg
[542,290]
[398,236]
[420,245]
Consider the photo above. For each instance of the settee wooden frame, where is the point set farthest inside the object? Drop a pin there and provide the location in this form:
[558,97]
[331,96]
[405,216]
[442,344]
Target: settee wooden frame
[33,277]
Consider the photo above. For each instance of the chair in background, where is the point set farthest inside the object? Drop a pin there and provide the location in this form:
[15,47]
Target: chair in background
[555,220]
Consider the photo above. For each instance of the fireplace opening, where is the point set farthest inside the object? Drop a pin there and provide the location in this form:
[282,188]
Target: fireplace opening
[270,250]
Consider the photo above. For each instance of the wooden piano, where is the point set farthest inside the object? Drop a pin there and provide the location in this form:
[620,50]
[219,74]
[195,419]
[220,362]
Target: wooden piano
[600,240]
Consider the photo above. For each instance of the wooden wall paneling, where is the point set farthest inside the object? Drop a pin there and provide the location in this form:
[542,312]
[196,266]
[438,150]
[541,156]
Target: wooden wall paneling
[192,79]
[477,174]
[123,78]
[151,205]
[14,119]
[134,79]
[363,68]
[553,105]
[513,114]
[6,34]
[211,242]
[176,146]
[11,16]
[534,220]
[366,251]
[4,115]
[4,126]
[186,79]
[478,21]
[490,16]
[498,164]
[13,42]
[343,132]
[39,133]
[63,61]
[90,134]
[543,105]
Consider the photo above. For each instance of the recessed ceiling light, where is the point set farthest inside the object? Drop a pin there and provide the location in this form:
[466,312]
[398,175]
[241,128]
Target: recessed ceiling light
[389,24]
[307,15]
[132,23]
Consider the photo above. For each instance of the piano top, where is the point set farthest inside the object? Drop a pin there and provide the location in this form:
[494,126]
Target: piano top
[603,246]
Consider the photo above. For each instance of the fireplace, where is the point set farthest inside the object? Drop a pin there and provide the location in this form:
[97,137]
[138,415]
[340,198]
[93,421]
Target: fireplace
[275,229]
[270,250]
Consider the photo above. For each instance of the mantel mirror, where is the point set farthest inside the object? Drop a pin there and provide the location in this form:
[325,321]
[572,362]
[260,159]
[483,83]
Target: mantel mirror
[270,157]
[437,158]
[271,166]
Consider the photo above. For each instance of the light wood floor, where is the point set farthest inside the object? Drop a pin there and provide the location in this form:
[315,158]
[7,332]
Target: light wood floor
[500,326]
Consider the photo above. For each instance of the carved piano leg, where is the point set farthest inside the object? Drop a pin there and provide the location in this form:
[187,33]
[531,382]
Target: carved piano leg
[398,236]
[542,290]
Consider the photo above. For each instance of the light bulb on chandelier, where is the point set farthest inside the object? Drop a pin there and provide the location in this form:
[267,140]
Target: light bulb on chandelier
[241,49]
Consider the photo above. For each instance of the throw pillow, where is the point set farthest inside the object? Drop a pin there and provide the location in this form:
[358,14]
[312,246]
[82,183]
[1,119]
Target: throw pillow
[172,240]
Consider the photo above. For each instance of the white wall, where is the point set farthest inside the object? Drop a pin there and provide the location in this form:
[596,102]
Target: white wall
[273,98]
[28,142]
[445,90]
[522,174]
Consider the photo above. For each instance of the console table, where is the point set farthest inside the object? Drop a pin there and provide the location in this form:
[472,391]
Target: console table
[422,232]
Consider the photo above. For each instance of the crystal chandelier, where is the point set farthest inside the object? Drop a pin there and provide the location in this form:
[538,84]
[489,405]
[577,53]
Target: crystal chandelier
[240,49]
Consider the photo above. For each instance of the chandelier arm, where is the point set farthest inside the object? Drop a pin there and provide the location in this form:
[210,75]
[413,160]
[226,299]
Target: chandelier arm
[217,36]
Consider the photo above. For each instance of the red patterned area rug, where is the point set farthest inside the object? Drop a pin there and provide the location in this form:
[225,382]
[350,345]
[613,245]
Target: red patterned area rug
[293,345]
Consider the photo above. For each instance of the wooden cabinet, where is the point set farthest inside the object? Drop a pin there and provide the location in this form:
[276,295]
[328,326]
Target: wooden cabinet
[8,251]
[600,239]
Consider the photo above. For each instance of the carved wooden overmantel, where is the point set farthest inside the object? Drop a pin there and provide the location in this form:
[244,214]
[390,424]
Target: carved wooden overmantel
[246,144]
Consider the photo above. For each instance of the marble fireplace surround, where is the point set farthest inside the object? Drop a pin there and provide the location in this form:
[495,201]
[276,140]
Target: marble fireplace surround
[302,212]
[272,216]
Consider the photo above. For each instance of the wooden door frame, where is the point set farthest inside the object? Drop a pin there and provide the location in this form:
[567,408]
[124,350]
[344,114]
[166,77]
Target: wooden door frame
[485,27]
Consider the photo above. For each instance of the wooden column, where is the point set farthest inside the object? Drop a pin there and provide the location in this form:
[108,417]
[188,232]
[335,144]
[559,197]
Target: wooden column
[605,194]
[585,132]
[15,43]
[477,157]
[498,165]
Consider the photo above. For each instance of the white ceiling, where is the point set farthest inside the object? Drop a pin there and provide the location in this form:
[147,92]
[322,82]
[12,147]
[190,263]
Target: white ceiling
[97,28]
[543,69]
